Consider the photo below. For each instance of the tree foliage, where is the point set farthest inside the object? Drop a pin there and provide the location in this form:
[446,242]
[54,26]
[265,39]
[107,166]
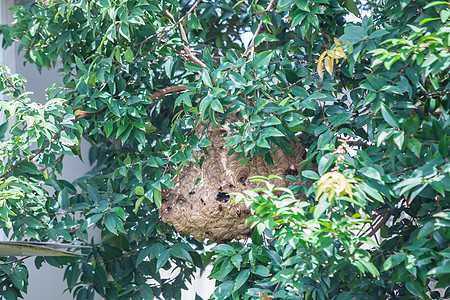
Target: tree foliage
[368,100]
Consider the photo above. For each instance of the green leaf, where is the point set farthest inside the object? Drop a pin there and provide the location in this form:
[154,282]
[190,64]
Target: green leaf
[262,59]
[162,258]
[157,197]
[261,271]
[91,221]
[292,178]
[310,174]
[264,37]
[93,194]
[370,172]
[434,3]
[80,64]
[285,4]
[241,279]
[138,204]
[236,260]
[183,98]
[110,224]
[394,260]
[351,6]
[324,163]
[321,207]
[224,248]
[125,31]
[3,129]
[19,277]
[108,127]
[440,270]
[238,78]
[270,132]
[216,105]
[235,139]
[271,121]
[129,56]
[224,290]
[206,78]
[426,229]
[399,138]
[139,190]
[415,288]
[414,145]
[193,22]
[384,135]
[445,14]
[408,184]
[263,143]
[140,136]
[63,199]
[205,102]
[389,116]
[372,192]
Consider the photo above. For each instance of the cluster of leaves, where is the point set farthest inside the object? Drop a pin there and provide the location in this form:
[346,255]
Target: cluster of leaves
[403,166]
[141,75]
[28,209]
[295,246]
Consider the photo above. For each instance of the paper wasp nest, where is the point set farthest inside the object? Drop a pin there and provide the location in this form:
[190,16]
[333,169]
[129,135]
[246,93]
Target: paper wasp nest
[199,203]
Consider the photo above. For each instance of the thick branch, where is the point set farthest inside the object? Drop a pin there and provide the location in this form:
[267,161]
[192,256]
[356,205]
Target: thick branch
[170,89]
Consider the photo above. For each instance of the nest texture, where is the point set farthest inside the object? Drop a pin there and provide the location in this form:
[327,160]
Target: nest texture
[199,203]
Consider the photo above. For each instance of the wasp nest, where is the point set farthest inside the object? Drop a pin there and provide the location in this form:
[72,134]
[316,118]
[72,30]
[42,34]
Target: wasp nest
[199,203]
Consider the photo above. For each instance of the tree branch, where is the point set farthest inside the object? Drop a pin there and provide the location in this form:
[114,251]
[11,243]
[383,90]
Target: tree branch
[188,54]
[385,214]
[403,170]
[251,46]
[170,89]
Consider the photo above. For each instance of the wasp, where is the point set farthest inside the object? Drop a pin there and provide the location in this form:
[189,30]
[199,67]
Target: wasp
[208,232]
[291,171]
[220,207]
[191,192]
[238,212]
[223,197]
[247,211]
[231,186]
[220,189]
[203,201]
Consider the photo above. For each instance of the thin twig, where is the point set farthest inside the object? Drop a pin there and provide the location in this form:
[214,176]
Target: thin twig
[383,220]
[14,261]
[251,46]
[188,54]
[403,170]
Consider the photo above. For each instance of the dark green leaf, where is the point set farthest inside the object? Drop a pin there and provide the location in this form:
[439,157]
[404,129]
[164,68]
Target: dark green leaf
[389,116]
[393,261]
[241,279]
